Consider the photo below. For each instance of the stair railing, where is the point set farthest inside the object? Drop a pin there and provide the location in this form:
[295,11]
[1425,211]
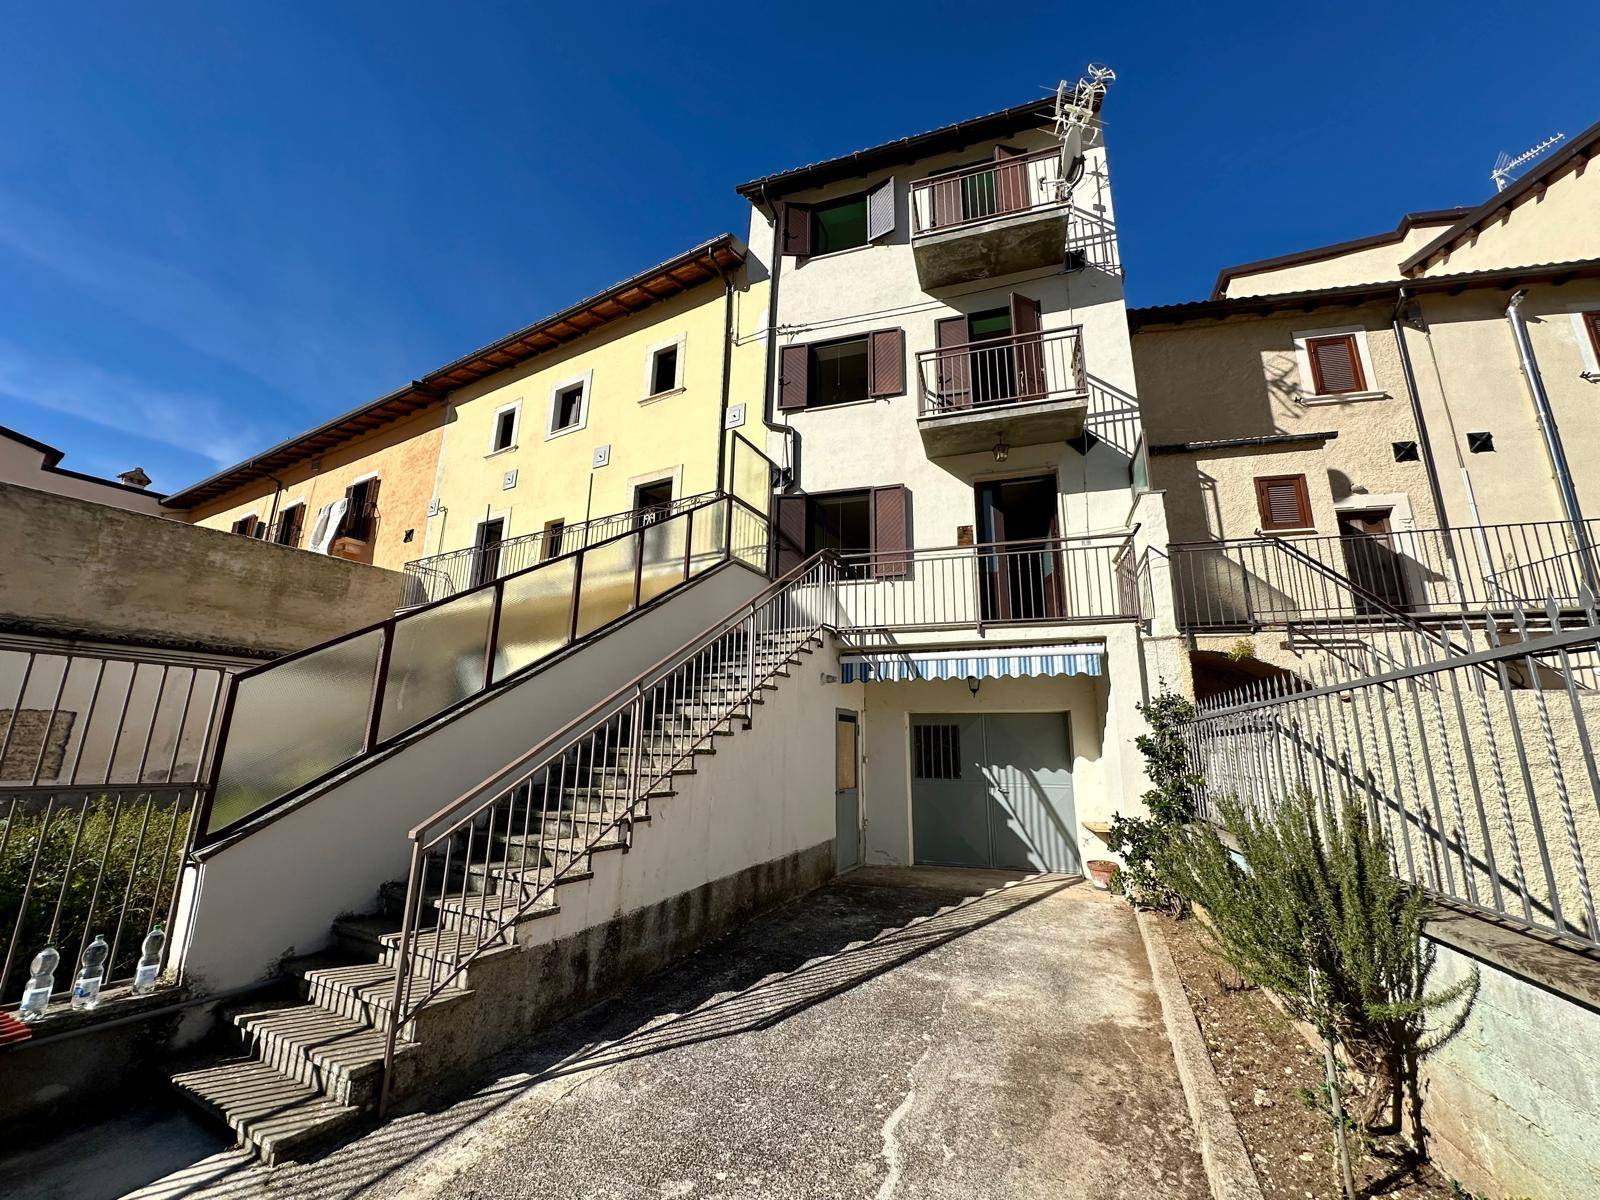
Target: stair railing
[483,862]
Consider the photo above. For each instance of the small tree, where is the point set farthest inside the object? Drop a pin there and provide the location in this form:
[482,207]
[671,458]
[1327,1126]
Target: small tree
[1170,802]
[1310,906]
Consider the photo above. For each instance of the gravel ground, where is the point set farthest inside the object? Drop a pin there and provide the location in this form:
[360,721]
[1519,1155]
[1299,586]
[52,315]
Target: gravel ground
[899,1033]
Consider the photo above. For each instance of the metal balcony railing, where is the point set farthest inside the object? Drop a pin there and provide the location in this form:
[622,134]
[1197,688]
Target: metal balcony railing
[1249,583]
[986,191]
[1055,580]
[1006,370]
[439,576]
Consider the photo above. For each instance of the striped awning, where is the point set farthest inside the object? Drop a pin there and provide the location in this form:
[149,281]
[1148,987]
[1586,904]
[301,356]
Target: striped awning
[1013,663]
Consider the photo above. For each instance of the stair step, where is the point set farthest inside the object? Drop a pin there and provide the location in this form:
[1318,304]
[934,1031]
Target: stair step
[480,910]
[361,991]
[272,1112]
[341,1058]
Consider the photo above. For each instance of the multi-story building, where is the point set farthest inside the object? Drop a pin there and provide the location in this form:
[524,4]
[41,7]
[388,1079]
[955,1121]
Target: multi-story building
[952,397]
[1373,400]
[33,464]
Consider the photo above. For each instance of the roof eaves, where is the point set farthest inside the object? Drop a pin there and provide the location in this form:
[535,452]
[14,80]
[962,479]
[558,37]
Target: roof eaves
[1266,439]
[1580,151]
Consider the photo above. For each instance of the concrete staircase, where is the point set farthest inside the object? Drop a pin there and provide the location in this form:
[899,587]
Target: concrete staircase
[298,1073]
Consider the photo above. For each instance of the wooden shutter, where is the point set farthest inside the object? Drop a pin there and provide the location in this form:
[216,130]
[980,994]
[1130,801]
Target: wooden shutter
[1284,501]
[880,210]
[793,513]
[955,369]
[797,229]
[1335,364]
[1025,328]
[1591,322]
[891,532]
[1011,179]
[886,362]
[794,377]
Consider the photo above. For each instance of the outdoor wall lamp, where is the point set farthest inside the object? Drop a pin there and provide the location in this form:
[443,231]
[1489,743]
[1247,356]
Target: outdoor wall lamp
[1001,450]
[972,684]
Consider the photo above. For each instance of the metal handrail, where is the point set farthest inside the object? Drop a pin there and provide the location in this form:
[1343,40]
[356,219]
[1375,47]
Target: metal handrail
[1011,369]
[711,678]
[1026,175]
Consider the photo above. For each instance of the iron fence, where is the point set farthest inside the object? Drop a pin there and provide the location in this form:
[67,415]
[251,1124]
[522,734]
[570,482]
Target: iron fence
[1471,749]
[1250,583]
[1053,580]
[1020,183]
[100,757]
[1003,370]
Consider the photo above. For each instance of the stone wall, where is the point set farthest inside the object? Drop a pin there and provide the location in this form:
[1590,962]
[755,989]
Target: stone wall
[78,569]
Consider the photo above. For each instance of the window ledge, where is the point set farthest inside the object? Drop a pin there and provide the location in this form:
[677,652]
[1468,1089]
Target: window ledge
[677,391]
[503,450]
[1295,531]
[555,433]
[1344,398]
[833,407]
[810,258]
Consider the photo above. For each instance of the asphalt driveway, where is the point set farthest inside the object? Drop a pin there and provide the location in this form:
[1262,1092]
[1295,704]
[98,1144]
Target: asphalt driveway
[897,1034]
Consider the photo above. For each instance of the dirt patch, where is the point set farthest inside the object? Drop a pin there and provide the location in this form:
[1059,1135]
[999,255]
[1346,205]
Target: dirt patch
[1263,1065]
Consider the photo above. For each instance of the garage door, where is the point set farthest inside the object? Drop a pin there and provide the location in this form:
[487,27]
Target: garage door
[993,790]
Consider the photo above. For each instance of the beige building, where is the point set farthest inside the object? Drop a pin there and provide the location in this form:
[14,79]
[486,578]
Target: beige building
[1383,394]
[33,464]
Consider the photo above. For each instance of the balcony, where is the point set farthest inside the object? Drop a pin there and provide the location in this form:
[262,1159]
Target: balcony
[994,219]
[1025,389]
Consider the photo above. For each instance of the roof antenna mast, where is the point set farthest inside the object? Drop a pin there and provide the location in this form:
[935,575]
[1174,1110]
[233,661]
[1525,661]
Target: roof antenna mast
[1076,106]
[1505,166]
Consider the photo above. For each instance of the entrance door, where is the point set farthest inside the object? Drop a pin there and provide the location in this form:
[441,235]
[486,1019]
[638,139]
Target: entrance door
[846,793]
[1371,559]
[486,562]
[1021,580]
[993,790]
[651,501]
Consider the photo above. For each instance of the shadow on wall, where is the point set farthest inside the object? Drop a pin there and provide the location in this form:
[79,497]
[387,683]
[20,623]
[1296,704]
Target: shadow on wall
[828,943]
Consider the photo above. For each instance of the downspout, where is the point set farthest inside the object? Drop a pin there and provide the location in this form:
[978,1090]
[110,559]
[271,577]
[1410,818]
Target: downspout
[727,375]
[1429,463]
[272,517]
[769,400]
[1560,471]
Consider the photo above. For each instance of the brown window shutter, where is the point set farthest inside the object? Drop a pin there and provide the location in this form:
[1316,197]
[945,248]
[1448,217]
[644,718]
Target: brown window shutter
[880,210]
[797,229]
[794,377]
[886,364]
[791,532]
[1591,322]
[1284,501]
[955,367]
[1026,323]
[891,532]
[1335,365]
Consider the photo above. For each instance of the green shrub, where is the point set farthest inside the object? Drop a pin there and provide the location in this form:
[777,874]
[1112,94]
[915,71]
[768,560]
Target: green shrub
[143,870]
[1310,897]
[1170,801]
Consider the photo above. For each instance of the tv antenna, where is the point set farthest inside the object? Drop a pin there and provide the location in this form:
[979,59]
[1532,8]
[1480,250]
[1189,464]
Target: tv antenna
[1076,105]
[1505,166]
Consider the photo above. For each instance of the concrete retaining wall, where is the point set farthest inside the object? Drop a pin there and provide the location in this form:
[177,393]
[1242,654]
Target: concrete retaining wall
[79,569]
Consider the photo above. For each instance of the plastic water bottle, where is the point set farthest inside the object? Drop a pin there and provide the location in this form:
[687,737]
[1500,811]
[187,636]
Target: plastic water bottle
[144,975]
[41,984]
[86,991]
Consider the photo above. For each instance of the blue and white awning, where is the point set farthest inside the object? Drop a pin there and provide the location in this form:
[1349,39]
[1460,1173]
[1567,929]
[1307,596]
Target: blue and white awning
[1014,663]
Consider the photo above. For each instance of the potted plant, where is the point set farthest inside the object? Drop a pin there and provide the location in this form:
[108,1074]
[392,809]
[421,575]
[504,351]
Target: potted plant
[1100,872]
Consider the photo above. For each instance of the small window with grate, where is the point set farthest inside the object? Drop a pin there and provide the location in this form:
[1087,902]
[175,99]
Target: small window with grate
[1480,443]
[936,751]
[1406,452]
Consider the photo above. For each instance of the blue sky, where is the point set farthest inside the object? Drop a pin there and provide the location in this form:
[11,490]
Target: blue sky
[220,226]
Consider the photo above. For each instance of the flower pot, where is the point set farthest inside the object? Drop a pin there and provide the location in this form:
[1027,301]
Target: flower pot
[1100,872]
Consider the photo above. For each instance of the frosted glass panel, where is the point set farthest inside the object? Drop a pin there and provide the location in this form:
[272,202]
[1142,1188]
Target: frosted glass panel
[664,546]
[749,539]
[293,723]
[606,590]
[710,536]
[534,616]
[751,480]
[437,661]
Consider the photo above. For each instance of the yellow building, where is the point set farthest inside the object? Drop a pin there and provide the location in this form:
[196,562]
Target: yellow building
[490,463]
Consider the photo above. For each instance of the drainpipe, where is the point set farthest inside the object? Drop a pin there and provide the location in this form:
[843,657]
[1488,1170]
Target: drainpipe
[727,373]
[1429,463]
[1560,471]
[768,400]
[272,516]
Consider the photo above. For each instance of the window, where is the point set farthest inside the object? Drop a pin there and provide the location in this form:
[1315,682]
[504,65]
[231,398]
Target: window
[936,751]
[652,501]
[1586,326]
[569,405]
[246,526]
[486,556]
[1406,452]
[1591,322]
[841,521]
[553,534]
[838,373]
[1480,443]
[1284,501]
[289,522]
[361,509]
[1335,364]
[839,224]
[875,521]
[663,370]
[505,429]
